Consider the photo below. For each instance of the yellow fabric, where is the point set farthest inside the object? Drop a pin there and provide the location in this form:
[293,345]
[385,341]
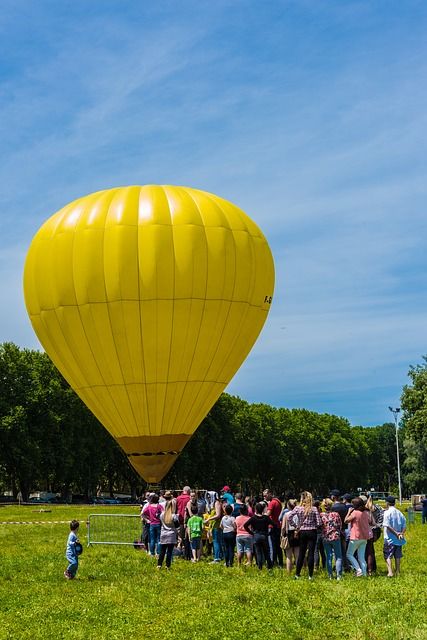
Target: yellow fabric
[148,299]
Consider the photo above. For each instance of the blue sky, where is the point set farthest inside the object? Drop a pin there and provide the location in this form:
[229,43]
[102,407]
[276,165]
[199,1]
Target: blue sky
[311,116]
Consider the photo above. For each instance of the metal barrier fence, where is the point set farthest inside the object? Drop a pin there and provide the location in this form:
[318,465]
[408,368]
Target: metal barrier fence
[113,528]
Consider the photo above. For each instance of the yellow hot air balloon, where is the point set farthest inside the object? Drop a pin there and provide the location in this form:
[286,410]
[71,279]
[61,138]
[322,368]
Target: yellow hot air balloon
[148,299]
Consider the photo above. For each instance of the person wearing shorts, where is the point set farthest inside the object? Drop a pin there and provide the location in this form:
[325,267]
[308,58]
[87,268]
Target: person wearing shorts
[244,540]
[196,547]
[394,524]
[392,551]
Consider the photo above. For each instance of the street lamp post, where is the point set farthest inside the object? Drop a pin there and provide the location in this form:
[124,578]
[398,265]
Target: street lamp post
[395,413]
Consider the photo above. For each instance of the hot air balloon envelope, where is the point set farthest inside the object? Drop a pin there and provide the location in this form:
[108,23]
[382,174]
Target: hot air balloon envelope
[148,299]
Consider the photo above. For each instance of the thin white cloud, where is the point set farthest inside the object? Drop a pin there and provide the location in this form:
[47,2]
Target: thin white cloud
[319,139]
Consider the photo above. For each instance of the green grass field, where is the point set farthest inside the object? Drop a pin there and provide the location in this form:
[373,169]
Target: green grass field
[119,594]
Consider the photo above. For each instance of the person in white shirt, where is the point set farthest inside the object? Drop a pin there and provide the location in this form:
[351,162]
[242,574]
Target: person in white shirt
[228,526]
[394,525]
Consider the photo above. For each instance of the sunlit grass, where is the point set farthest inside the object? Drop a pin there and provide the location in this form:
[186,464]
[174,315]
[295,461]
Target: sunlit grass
[119,594]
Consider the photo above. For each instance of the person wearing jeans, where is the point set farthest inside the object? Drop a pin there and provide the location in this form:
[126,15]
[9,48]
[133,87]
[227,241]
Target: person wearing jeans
[228,526]
[262,550]
[358,565]
[217,536]
[333,548]
[217,542]
[331,537]
[258,526]
[154,539]
[359,518]
[151,513]
[274,509]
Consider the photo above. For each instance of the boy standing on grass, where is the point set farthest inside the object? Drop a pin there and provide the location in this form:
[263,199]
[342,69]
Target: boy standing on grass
[194,531]
[394,524]
[71,552]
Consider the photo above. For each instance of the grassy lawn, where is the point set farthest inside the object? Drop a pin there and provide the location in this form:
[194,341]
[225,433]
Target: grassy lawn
[119,594]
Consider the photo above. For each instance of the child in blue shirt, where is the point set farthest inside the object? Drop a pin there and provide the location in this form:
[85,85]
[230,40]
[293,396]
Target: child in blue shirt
[71,553]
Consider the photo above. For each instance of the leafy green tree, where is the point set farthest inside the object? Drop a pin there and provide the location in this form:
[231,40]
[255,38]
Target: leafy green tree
[414,402]
[381,458]
[415,465]
[19,430]
[414,405]
[50,440]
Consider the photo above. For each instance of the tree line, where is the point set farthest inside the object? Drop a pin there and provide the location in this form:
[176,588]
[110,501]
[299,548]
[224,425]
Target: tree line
[49,440]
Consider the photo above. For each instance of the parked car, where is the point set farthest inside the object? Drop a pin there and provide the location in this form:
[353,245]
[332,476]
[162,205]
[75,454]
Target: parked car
[105,500]
[43,497]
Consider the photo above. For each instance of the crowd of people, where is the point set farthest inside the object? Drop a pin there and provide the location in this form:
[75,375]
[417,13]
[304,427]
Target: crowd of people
[337,534]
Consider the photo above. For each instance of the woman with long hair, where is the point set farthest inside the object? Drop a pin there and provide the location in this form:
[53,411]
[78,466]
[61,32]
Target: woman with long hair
[377,517]
[319,551]
[169,521]
[306,519]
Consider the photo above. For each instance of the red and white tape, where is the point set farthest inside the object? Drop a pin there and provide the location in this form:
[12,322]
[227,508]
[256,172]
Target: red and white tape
[38,522]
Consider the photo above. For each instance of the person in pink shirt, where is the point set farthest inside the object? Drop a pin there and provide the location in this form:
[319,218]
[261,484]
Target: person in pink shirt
[359,519]
[244,540]
[151,514]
